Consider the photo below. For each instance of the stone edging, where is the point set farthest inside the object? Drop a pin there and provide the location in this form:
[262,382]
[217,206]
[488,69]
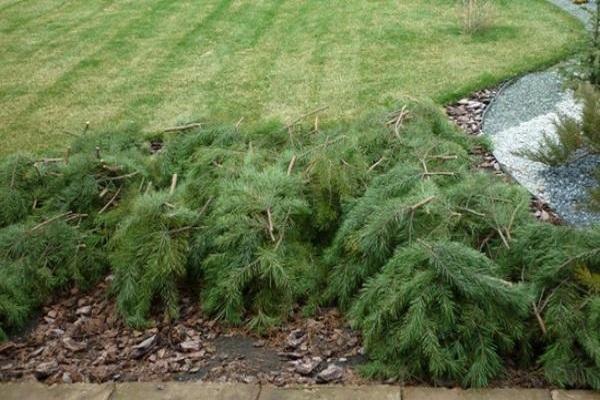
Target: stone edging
[32,390]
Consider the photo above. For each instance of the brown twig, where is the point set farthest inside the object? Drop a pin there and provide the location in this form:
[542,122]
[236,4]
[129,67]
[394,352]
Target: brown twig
[444,157]
[205,206]
[237,125]
[118,178]
[471,211]
[183,127]
[421,203]
[291,165]
[442,173]
[50,220]
[503,238]
[308,114]
[271,228]
[397,120]
[539,318]
[112,199]
[372,167]
[173,184]
[12,178]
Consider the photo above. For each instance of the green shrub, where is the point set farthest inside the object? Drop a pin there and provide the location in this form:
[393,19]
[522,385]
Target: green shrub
[438,265]
[429,313]
[257,258]
[562,267]
[150,255]
[38,259]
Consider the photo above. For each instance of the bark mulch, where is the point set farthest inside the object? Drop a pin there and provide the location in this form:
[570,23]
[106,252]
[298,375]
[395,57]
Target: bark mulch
[81,338]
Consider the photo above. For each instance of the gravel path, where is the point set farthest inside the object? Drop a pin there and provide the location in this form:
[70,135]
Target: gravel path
[517,120]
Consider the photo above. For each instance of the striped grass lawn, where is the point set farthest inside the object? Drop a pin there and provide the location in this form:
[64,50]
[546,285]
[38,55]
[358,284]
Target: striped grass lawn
[156,63]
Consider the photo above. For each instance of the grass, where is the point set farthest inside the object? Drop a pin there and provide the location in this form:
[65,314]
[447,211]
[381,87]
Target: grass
[159,62]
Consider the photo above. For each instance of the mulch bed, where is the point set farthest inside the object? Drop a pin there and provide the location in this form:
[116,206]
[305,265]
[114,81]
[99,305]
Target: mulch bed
[80,338]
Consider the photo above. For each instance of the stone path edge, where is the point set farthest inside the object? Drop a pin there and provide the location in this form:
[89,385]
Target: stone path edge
[32,390]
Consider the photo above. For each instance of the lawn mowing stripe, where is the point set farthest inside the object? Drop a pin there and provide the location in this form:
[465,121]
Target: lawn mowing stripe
[148,57]
[57,36]
[10,5]
[262,25]
[320,52]
[78,51]
[351,56]
[239,72]
[38,75]
[115,44]
[24,20]
[171,61]
[293,47]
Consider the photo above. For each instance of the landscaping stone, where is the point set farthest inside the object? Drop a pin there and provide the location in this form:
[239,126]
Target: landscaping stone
[517,120]
[427,393]
[36,391]
[574,395]
[185,391]
[331,393]
[332,373]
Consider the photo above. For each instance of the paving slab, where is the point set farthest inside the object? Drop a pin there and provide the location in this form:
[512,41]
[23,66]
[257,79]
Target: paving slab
[36,391]
[375,392]
[426,393]
[184,391]
[575,395]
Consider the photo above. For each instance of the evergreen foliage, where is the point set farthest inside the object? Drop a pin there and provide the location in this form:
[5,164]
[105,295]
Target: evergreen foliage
[429,313]
[19,180]
[37,259]
[561,266]
[438,265]
[257,259]
[150,255]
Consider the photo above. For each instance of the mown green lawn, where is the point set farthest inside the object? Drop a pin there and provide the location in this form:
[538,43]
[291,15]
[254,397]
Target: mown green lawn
[162,62]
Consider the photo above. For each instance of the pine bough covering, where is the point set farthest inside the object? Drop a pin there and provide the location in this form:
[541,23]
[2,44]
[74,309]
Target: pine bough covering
[441,267]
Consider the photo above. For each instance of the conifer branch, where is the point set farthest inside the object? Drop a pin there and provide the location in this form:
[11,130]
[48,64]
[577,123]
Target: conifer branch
[112,199]
[291,165]
[372,167]
[237,125]
[539,318]
[504,241]
[444,157]
[470,211]
[182,128]
[121,177]
[271,228]
[50,220]
[421,203]
[300,118]
[205,206]
[173,184]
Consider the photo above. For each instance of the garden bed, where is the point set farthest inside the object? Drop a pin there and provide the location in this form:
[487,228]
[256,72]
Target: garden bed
[387,218]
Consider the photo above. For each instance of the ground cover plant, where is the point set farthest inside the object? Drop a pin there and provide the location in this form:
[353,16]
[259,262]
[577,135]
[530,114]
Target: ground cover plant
[441,267]
[157,63]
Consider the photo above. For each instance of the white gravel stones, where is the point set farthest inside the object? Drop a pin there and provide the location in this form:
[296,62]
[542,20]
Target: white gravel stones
[564,188]
[518,119]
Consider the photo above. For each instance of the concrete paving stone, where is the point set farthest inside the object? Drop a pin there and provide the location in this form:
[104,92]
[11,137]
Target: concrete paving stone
[375,392]
[425,393]
[33,390]
[184,391]
[575,395]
